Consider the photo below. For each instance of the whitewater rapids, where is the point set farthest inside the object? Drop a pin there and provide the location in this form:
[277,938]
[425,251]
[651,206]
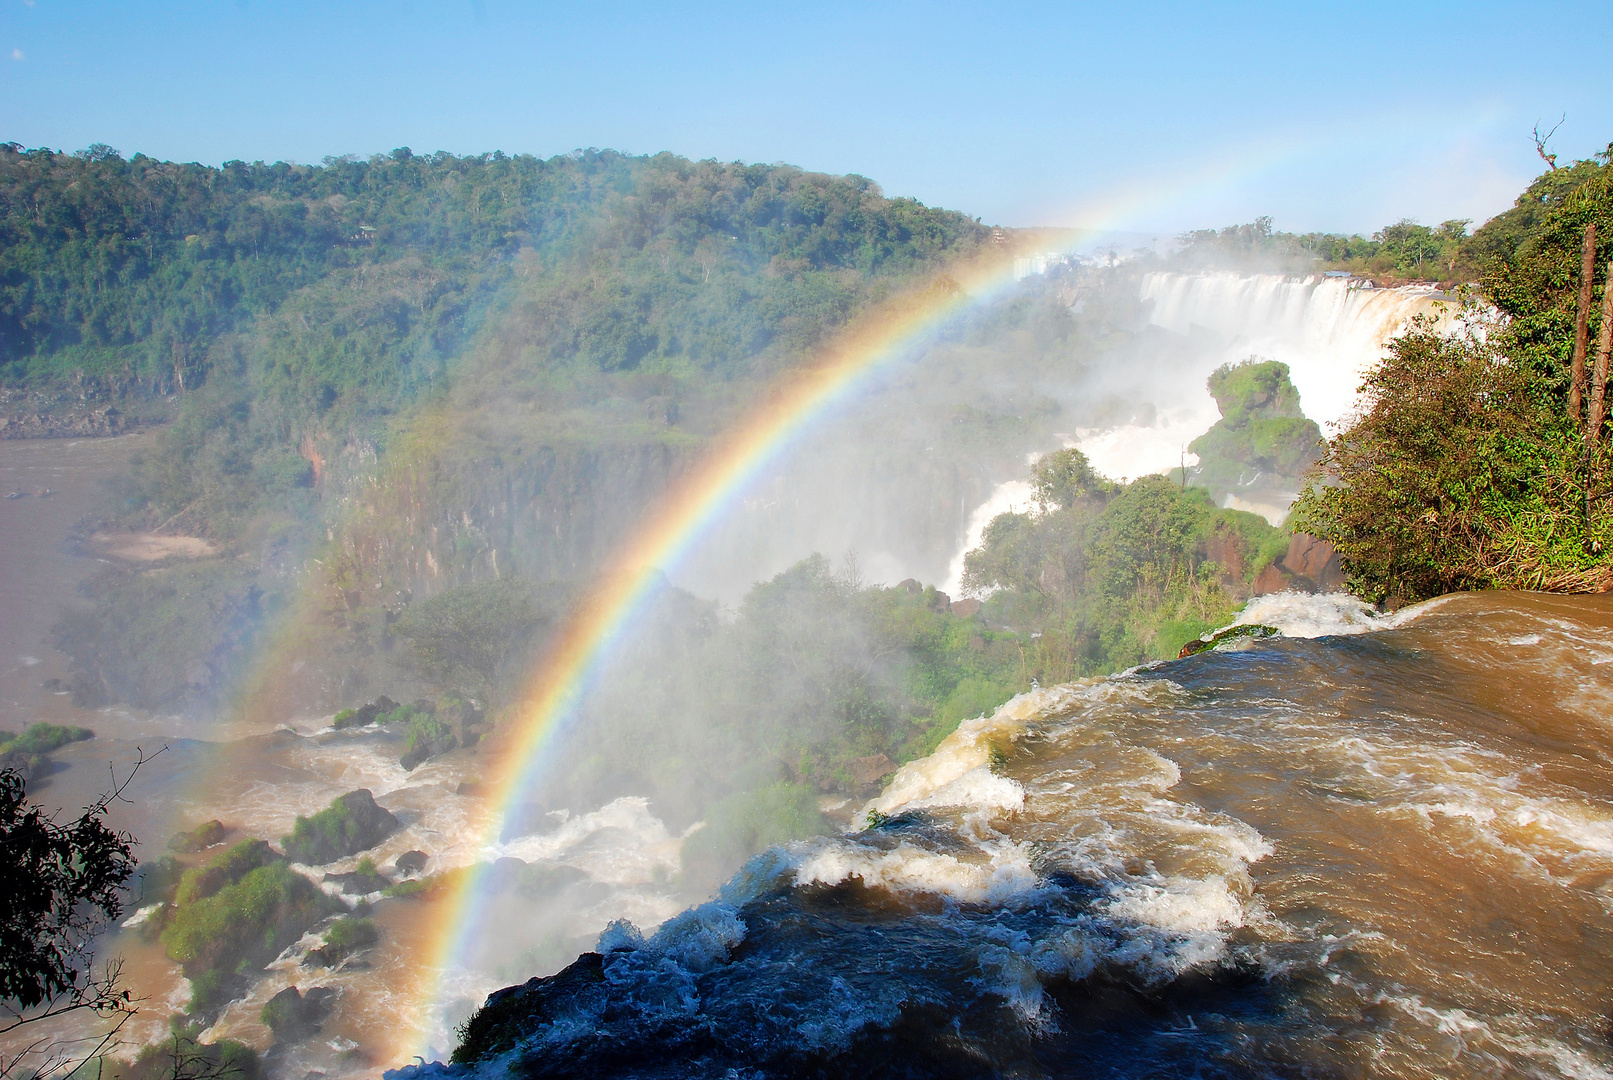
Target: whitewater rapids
[1375,846]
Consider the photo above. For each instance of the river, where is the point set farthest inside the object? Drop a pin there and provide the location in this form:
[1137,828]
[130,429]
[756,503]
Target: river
[1383,850]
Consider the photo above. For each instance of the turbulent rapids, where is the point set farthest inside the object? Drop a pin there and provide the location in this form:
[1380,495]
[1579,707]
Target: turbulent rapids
[1371,846]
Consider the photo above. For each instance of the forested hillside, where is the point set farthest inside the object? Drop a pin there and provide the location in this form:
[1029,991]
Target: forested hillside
[127,272]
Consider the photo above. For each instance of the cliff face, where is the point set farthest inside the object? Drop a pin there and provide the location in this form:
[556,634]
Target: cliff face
[548,513]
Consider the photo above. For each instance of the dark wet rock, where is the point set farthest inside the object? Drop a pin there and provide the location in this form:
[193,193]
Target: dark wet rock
[358,883]
[350,824]
[293,1015]
[410,863]
[359,717]
[426,747]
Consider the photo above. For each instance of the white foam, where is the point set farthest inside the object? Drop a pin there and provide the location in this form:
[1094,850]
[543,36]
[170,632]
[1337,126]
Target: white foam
[1307,615]
[1004,872]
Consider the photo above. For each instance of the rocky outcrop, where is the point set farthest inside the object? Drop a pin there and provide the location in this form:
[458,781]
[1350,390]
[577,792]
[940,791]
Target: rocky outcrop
[1310,565]
[75,423]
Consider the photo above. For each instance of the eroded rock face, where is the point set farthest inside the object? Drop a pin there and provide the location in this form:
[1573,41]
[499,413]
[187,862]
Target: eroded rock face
[1310,565]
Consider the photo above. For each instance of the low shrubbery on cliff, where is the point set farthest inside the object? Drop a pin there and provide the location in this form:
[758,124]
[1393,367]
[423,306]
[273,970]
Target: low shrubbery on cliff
[1482,461]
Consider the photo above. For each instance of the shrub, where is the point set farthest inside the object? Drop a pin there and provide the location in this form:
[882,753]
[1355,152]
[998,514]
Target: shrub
[42,738]
[347,826]
[1453,478]
[221,937]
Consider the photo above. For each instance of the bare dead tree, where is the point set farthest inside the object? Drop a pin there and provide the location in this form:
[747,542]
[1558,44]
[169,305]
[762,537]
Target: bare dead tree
[1541,140]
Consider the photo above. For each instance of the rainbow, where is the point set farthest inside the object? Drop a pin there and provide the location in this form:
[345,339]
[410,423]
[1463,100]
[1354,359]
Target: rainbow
[635,573]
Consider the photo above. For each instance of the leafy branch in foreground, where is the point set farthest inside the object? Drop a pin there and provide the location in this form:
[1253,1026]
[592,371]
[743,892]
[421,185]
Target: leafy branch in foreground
[64,885]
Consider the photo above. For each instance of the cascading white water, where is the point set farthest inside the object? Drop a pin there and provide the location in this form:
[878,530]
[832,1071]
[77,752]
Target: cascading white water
[1330,331]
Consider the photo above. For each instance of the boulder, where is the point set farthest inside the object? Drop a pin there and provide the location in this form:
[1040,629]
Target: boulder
[910,584]
[1310,565]
[293,1016]
[1315,560]
[410,863]
[866,770]
[200,838]
[424,748]
[358,883]
[966,608]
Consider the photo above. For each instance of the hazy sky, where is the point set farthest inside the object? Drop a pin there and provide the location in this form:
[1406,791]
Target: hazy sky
[1339,116]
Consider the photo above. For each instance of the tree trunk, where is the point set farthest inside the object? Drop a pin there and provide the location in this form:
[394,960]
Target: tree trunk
[1604,345]
[1582,324]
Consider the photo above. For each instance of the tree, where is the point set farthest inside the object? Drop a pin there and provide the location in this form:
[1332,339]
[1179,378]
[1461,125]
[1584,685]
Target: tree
[461,637]
[64,884]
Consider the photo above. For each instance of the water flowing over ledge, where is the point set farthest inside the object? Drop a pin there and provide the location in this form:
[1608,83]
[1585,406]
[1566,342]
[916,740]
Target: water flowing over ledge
[1365,845]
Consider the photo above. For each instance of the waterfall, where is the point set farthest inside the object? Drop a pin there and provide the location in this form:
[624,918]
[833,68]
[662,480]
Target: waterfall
[1329,330]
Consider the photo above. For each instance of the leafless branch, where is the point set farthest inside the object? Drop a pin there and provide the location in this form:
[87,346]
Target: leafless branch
[1541,140]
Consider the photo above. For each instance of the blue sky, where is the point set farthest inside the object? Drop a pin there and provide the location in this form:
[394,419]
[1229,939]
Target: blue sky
[1339,116]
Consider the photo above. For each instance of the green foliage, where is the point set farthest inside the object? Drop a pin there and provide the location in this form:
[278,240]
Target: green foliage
[347,936]
[1262,433]
[351,823]
[1126,574]
[282,1015]
[222,936]
[413,887]
[1466,470]
[200,838]
[225,868]
[462,637]
[1453,479]
[1064,477]
[63,885]
[42,738]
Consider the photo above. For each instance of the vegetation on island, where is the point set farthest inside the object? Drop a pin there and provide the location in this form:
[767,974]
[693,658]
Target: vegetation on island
[29,753]
[232,915]
[350,824]
[1263,439]
[1111,575]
